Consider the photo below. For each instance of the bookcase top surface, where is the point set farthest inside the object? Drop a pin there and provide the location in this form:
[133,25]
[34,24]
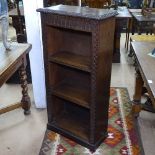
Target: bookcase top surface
[77,11]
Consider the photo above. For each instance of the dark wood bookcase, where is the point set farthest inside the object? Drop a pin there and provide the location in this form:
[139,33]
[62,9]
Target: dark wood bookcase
[78,47]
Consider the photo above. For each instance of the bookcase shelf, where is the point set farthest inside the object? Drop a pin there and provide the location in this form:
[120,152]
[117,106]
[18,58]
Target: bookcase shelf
[72,60]
[74,93]
[67,119]
[78,48]
[71,118]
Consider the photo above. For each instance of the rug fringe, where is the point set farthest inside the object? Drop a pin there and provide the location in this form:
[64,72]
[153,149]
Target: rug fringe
[124,122]
[55,145]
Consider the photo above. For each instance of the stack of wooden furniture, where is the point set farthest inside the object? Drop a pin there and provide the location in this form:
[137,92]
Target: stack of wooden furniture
[78,47]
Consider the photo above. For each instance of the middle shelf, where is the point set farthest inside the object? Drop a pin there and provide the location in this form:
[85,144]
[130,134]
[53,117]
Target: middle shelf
[74,92]
[72,60]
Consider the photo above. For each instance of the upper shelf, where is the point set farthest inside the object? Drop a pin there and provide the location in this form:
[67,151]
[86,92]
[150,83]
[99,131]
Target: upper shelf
[72,60]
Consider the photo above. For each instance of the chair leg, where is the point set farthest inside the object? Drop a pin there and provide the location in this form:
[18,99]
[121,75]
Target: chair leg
[26,102]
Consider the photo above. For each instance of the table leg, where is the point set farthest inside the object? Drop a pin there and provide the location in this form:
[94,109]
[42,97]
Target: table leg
[134,24]
[137,94]
[128,29]
[26,103]
[117,36]
[116,52]
[139,28]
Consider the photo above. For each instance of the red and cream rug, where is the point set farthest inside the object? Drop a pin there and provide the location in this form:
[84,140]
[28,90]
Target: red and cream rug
[123,137]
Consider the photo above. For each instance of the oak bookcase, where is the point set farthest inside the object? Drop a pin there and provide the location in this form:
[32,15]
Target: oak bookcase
[78,47]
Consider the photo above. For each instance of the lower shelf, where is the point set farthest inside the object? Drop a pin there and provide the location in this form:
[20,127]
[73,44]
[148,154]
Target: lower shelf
[73,121]
[71,117]
[74,124]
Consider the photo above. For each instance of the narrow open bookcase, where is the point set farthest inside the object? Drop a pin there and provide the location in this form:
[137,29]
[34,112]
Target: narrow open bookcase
[77,47]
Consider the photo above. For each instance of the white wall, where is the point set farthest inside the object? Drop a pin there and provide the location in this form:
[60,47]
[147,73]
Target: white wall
[32,19]
[79,2]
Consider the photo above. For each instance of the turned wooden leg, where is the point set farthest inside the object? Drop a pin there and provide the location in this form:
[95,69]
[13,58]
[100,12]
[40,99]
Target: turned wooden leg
[137,94]
[26,103]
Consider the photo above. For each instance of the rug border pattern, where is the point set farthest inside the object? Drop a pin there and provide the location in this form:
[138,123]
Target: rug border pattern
[120,92]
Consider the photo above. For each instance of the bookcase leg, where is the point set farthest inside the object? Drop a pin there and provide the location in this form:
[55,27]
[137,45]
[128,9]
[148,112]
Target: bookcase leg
[26,103]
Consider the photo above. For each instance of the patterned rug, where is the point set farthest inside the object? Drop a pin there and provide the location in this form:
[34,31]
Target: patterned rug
[122,134]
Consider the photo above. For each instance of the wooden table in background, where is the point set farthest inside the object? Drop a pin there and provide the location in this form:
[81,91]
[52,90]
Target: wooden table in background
[122,21]
[145,73]
[11,61]
[142,24]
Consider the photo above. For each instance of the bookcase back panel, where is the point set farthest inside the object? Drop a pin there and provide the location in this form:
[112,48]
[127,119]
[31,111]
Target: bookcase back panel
[72,41]
[54,40]
[60,73]
[77,42]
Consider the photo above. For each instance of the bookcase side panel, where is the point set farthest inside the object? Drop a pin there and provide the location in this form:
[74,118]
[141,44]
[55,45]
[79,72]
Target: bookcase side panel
[46,67]
[103,76]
